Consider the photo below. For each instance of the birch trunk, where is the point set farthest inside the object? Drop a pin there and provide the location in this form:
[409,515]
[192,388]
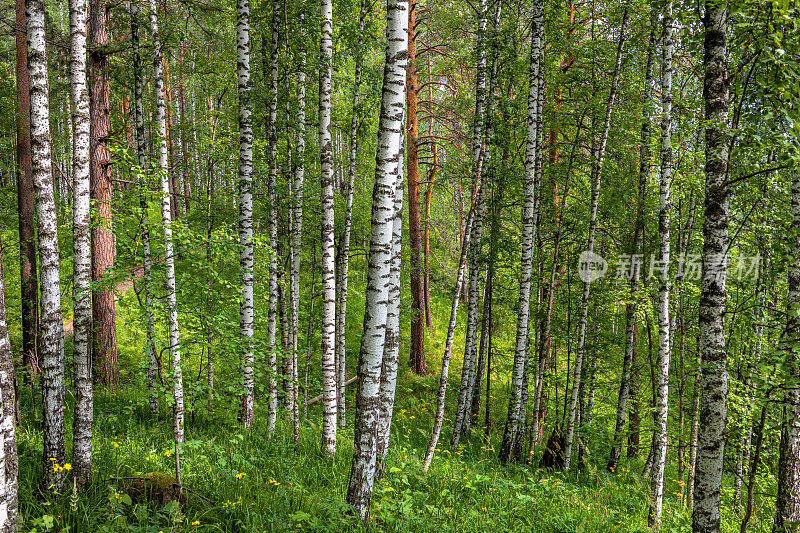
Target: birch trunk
[245,177]
[169,258]
[597,172]
[468,369]
[515,423]
[52,327]
[82,251]
[664,329]
[391,347]
[388,167]
[272,172]
[344,251]
[9,463]
[698,386]
[632,307]
[787,513]
[295,243]
[327,230]
[141,154]
[713,404]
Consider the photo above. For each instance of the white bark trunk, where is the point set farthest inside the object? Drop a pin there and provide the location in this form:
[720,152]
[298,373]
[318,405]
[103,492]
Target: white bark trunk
[82,251]
[327,229]
[9,465]
[169,258]
[713,403]
[664,325]
[245,208]
[388,167]
[52,328]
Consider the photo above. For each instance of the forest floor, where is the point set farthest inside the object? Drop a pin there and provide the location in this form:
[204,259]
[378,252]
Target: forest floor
[248,482]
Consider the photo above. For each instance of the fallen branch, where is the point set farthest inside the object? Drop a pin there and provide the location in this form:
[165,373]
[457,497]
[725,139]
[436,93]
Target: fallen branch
[315,399]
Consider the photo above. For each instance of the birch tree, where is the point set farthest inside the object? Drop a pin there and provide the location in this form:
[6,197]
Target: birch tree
[713,297]
[52,328]
[632,307]
[468,370]
[388,165]
[787,512]
[597,173]
[327,229]
[169,257]
[81,224]
[245,177]
[515,422]
[664,330]
[9,464]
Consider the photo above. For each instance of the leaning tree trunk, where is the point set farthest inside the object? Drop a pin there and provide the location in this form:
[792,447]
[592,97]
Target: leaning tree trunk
[272,172]
[9,464]
[664,330]
[106,368]
[141,154]
[787,513]
[387,169]
[169,258]
[26,204]
[468,369]
[52,327]
[245,207]
[81,224]
[597,172]
[327,227]
[344,250]
[713,404]
[635,271]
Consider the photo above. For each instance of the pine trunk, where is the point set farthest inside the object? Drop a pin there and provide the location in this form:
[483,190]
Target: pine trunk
[26,205]
[103,312]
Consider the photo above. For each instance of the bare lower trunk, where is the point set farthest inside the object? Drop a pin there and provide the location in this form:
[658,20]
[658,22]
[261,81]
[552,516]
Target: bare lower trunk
[9,463]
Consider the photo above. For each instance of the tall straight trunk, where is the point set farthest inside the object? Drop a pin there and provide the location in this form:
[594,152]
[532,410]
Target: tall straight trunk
[271,105]
[327,228]
[751,482]
[787,513]
[26,205]
[470,360]
[387,170]
[106,368]
[245,177]
[391,347]
[295,243]
[169,258]
[515,422]
[635,274]
[81,232]
[713,405]
[209,333]
[664,329]
[695,429]
[597,173]
[184,133]
[52,327]
[344,250]
[416,274]
[153,368]
[9,463]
